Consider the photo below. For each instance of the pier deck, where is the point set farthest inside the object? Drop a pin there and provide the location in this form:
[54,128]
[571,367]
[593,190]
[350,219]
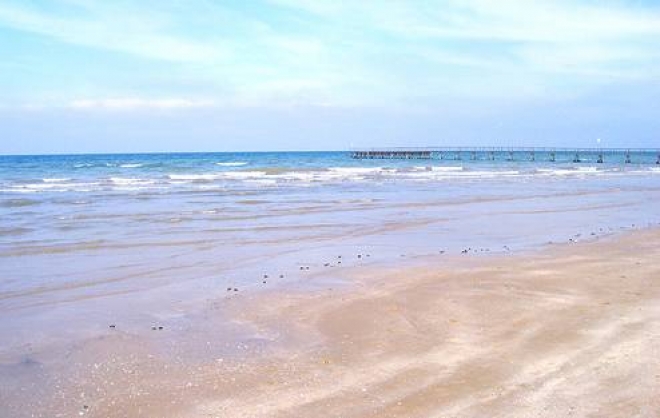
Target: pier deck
[575,155]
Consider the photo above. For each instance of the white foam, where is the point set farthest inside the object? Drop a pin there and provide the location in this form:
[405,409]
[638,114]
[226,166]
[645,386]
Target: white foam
[12,190]
[232,164]
[265,182]
[555,172]
[359,170]
[227,175]
[432,168]
[128,188]
[241,175]
[304,176]
[570,171]
[130,181]
[447,169]
[48,186]
[449,174]
[338,174]
[55,180]
[193,177]
[587,169]
[649,170]
[52,187]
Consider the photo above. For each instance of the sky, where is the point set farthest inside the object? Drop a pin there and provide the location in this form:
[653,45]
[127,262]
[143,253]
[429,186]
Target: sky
[79,76]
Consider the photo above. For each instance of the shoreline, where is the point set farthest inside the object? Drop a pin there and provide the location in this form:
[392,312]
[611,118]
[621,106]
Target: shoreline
[504,334]
[474,338]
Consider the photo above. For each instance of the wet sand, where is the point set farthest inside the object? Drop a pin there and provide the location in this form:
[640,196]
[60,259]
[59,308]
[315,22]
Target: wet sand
[570,330]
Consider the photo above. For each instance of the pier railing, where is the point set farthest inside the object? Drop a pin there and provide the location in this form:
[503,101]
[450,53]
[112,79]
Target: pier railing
[575,155]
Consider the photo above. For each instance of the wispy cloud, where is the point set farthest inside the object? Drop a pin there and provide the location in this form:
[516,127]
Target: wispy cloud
[369,52]
[587,38]
[94,24]
[139,103]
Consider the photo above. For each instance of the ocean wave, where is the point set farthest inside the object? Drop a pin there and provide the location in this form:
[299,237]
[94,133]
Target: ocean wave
[577,171]
[131,181]
[113,183]
[555,172]
[131,165]
[587,169]
[264,182]
[55,180]
[295,175]
[360,170]
[232,163]
[193,177]
[448,169]
[337,174]
[53,186]
[304,176]
[226,175]
[241,175]
[458,174]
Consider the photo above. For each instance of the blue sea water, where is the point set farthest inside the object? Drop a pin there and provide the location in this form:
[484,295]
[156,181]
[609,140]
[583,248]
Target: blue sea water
[53,208]
[142,236]
[186,171]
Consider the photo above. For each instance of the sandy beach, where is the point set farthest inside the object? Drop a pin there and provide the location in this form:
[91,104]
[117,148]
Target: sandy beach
[329,209]
[568,330]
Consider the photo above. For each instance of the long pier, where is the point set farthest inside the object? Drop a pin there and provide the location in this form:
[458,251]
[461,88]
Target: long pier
[574,155]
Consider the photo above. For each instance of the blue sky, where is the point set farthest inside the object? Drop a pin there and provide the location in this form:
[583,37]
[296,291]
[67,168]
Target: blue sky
[204,75]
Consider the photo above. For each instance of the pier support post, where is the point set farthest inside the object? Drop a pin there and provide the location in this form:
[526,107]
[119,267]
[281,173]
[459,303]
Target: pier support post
[628,160]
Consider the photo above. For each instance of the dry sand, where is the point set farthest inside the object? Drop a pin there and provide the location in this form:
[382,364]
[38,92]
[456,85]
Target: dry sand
[569,331]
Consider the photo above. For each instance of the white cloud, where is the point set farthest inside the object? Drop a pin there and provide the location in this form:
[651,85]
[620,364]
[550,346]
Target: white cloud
[123,30]
[139,103]
[591,38]
[519,21]
[347,52]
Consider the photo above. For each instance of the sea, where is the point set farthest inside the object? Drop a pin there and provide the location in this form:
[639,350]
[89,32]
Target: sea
[148,236]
